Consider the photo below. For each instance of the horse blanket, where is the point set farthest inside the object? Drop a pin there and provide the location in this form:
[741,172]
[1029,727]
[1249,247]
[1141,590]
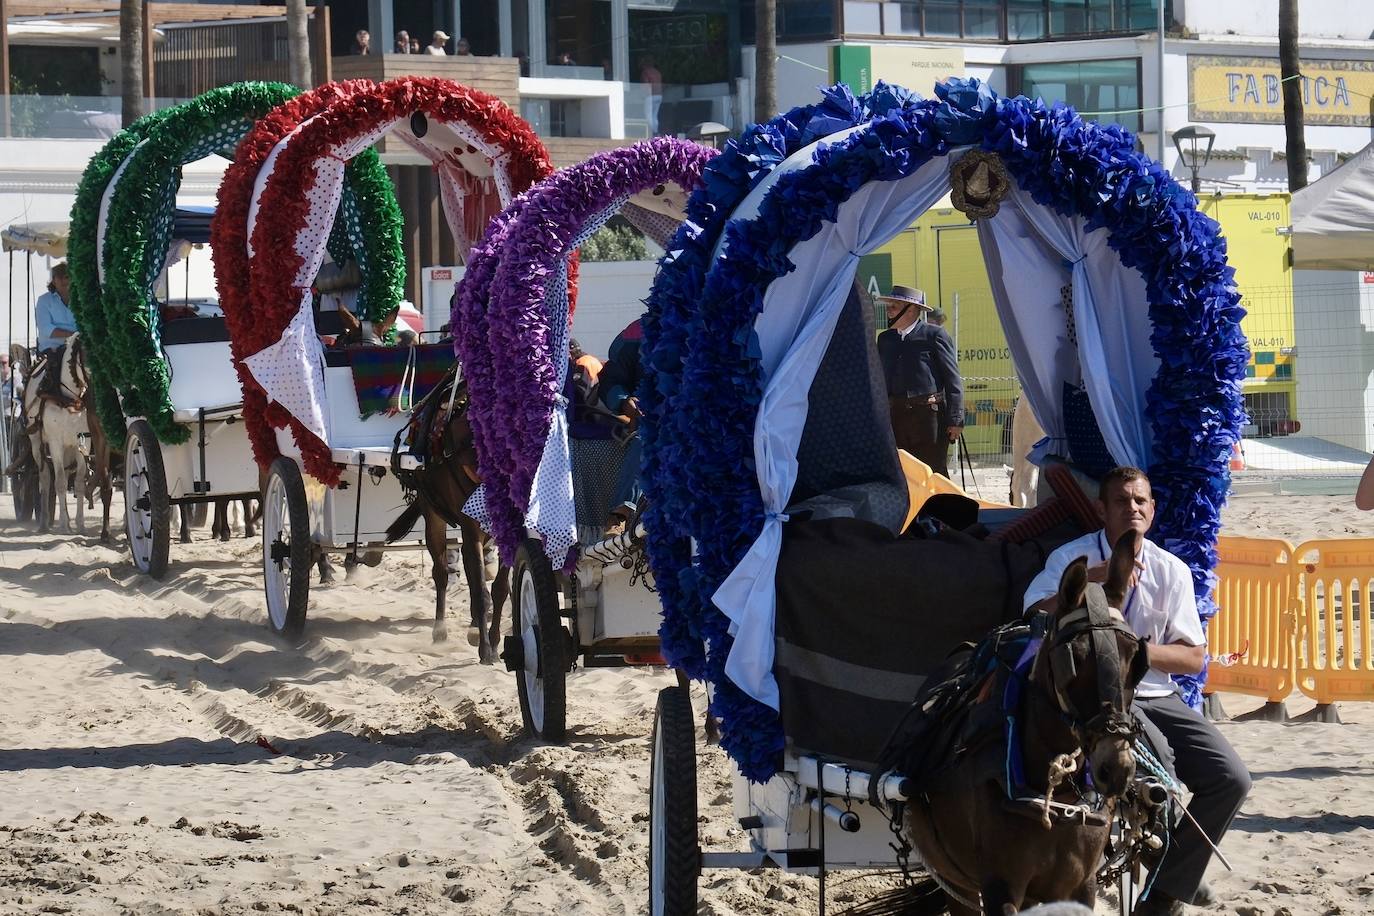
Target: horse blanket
[863,618]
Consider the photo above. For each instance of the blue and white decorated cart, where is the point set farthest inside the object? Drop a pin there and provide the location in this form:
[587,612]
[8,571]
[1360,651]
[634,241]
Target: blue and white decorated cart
[751,325]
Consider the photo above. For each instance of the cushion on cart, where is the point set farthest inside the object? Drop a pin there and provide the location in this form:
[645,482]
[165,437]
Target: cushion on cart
[863,617]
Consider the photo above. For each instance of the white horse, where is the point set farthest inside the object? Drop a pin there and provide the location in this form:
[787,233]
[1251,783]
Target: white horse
[62,423]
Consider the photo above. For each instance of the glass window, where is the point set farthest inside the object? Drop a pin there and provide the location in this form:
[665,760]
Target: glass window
[1108,88]
[579,38]
[1068,17]
[1025,20]
[982,19]
[805,19]
[941,18]
[863,17]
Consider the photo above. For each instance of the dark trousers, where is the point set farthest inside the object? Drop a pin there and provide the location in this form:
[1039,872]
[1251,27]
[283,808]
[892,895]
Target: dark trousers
[916,426]
[1204,761]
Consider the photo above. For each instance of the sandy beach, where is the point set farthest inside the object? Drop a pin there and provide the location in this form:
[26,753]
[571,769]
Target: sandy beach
[162,753]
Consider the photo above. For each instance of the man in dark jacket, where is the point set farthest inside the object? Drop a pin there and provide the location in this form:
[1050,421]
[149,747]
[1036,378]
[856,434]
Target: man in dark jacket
[924,390]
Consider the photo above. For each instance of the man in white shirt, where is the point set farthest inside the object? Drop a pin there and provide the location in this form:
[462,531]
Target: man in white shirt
[1161,608]
[437,43]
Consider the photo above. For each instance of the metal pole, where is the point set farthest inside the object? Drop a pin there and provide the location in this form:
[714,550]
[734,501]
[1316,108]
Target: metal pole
[1159,115]
[28,299]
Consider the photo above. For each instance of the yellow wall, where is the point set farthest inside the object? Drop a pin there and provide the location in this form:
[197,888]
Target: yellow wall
[939,253]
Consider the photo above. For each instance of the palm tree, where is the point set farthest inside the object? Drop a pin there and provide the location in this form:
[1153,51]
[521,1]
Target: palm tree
[131,65]
[1290,68]
[765,59]
[298,43]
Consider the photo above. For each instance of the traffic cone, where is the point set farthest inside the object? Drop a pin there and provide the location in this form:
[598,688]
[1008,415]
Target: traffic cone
[1237,458]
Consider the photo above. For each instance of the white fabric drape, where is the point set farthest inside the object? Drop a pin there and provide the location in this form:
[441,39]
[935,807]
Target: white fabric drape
[792,339]
[102,222]
[552,513]
[1031,252]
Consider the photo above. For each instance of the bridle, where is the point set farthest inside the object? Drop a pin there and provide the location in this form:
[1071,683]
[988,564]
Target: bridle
[80,377]
[1101,623]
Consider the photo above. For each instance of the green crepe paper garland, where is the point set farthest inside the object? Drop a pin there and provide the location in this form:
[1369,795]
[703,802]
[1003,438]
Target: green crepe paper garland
[121,321]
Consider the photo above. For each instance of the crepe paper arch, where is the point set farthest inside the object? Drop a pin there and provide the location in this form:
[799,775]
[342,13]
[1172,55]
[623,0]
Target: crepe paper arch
[84,264]
[134,230]
[703,381]
[281,200]
[512,316]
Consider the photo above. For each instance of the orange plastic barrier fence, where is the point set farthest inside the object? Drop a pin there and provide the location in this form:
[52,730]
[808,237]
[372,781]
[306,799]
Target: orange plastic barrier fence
[1256,619]
[1336,586]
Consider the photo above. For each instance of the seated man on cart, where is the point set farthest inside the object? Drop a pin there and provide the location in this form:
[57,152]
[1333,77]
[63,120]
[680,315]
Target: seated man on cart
[1161,608]
[55,324]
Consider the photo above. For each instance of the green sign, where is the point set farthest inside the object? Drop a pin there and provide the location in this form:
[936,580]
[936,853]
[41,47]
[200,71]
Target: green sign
[875,274]
[852,64]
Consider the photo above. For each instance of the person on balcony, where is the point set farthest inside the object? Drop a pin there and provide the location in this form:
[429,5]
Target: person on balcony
[362,42]
[403,42]
[437,43]
[462,48]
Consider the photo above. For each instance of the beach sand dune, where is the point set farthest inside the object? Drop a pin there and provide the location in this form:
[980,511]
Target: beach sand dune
[162,753]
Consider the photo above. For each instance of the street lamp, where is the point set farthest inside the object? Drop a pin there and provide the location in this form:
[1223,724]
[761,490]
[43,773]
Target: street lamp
[709,133]
[1194,145]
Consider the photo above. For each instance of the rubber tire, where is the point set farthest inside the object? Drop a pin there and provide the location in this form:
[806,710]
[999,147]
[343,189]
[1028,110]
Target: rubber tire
[302,550]
[551,641]
[673,763]
[141,436]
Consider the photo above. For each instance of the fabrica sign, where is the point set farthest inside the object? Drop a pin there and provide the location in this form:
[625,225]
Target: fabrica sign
[1249,90]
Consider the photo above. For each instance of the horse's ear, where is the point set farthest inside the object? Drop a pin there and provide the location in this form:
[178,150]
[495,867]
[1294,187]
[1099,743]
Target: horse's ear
[1072,584]
[1120,567]
[388,321]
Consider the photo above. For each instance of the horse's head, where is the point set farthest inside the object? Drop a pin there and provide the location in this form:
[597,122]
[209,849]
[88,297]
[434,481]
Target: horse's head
[76,376]
[1091,662]
[362,332]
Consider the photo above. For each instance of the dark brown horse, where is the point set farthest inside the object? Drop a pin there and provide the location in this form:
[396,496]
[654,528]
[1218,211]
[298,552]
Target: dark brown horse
[440,488]
[1074,719]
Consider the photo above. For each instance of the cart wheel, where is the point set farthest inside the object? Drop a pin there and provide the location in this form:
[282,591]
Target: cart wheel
[674,854]
[541,645]
[286,549]
[147,510]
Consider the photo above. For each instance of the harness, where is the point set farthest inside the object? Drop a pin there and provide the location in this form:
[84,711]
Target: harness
[426,435]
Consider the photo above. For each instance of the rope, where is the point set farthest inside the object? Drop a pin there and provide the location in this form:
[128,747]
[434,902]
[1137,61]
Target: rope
[1061,768]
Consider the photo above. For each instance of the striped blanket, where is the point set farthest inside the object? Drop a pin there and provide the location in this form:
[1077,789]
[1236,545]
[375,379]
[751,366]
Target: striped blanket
[387,381]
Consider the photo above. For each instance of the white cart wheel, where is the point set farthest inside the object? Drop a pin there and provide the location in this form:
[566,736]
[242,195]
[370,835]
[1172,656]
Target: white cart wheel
[286,549]
[538,649]
[147,509]
[674,851]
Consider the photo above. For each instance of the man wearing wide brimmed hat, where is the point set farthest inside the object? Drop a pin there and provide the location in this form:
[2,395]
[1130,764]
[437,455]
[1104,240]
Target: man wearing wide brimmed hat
[924,390]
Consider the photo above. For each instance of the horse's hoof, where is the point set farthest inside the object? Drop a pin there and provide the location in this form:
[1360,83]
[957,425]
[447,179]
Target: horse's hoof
[441,632]
[486,654]
[474,636]
[184,540]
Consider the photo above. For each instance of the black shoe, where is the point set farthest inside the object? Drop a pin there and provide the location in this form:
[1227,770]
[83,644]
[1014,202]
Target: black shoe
[1158,904]
[1204,895]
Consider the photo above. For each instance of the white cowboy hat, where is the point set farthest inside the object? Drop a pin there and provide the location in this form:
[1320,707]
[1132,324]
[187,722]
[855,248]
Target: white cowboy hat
[906,295]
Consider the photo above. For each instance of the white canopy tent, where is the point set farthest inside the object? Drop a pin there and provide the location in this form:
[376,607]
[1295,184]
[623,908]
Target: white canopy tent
[1333,218]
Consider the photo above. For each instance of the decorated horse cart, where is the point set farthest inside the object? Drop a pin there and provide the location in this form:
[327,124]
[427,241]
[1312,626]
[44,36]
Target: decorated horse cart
[776,501]
[45,240]
[324,422]
[163,380]
[547,487]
